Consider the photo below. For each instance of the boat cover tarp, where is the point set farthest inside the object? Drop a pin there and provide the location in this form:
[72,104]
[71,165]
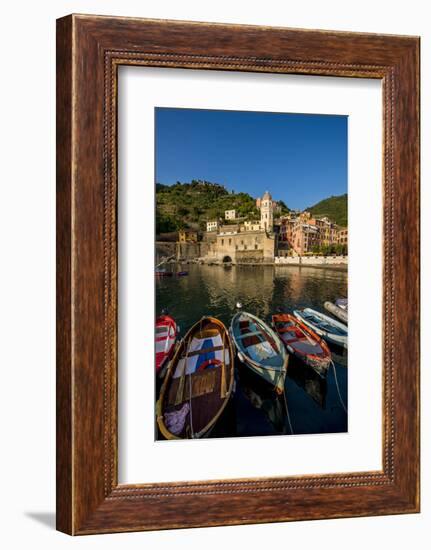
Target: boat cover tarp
[196,360]
[163,343]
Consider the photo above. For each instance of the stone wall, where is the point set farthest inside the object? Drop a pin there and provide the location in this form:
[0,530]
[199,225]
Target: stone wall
[191,251]
[249,256]
[242,247]
[311,260]
[164,250]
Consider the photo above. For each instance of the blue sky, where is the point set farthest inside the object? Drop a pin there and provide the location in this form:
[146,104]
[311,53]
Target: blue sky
[300,159]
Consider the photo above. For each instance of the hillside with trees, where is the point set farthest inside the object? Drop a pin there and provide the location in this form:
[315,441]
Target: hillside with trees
[335,208]
[191,205]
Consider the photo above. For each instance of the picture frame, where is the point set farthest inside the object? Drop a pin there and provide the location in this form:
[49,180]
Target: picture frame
[89,51]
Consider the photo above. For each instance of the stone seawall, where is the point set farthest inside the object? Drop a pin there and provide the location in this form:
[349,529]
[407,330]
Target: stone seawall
[311,260]
[249,257]
[164,250]
[190,251]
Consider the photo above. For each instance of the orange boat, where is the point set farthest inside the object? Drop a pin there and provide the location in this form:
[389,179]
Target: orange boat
[302,342]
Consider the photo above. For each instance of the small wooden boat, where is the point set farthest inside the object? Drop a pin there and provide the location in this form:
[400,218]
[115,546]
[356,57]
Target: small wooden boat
[302,342]
[166,335]
[331,330]
[163,273]
[337,311]
[260,348]
[198,383]
[342,303]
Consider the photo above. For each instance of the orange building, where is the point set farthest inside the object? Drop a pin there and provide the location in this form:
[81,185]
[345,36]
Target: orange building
[305,233]
[343,236]
[187,236]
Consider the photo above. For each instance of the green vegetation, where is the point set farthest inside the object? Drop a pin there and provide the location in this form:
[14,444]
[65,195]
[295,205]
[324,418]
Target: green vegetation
[284,208]
[327,250]
[191,205]
[335,208]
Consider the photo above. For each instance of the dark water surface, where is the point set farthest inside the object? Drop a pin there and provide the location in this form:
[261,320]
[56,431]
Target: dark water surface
[314,405]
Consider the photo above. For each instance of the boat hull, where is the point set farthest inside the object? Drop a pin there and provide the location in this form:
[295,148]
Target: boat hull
[199,382]
[337,311]
[302,342]
[166,335]
[271,368]
[331,337]
[275,378]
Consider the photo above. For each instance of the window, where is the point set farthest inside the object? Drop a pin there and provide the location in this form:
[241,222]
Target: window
[230,242]
[222,242]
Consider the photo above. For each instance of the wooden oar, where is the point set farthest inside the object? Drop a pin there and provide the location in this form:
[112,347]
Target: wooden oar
[223,389]
[180,389]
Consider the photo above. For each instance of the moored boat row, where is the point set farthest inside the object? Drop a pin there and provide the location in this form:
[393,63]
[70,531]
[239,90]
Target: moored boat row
[198,371]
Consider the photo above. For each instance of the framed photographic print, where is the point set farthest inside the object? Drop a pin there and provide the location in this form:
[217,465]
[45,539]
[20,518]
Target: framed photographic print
[237,274]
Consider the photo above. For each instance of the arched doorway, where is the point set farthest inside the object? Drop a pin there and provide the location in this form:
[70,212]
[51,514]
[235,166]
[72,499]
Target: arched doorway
[227,260]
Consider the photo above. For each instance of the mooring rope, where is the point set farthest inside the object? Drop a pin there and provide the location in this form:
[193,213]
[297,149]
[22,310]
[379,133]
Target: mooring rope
[190,388]
[190,405]
[287,409]
[338,388]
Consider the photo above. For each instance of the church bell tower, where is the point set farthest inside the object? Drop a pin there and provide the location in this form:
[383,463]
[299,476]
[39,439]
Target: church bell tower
[266,213]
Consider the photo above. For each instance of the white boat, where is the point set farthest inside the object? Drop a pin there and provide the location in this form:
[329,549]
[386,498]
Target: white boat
[342,302]
[260,348]
[337,311]
[333,331]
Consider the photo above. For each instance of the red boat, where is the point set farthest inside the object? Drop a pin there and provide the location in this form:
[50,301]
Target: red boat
[166,335]
[302,342]
[163,273]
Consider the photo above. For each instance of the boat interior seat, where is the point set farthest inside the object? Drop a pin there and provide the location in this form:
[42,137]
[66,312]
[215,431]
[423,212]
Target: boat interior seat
[290,340]
[204,350]
[203,383]
[249,334]
[286,329]
[307,347]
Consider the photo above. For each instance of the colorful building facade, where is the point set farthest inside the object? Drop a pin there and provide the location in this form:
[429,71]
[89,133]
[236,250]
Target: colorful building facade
[305,234]
[187,236]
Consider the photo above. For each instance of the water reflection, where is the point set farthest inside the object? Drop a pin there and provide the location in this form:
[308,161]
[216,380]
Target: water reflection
[305,377]
[314,404]
[263,397]
[214,290]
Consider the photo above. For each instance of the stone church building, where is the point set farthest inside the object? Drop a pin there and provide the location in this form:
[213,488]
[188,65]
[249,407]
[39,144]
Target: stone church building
[249,242]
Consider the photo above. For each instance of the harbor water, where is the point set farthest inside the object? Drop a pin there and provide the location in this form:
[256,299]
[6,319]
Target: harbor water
[314,404]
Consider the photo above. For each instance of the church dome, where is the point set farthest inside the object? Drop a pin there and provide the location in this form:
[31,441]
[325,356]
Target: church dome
[267,196]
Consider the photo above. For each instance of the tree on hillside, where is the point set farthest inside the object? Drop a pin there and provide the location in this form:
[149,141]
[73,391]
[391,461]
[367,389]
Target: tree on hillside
[284,208]
[335,208]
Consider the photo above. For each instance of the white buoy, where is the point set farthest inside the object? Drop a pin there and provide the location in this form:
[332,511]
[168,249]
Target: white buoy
[238,305]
